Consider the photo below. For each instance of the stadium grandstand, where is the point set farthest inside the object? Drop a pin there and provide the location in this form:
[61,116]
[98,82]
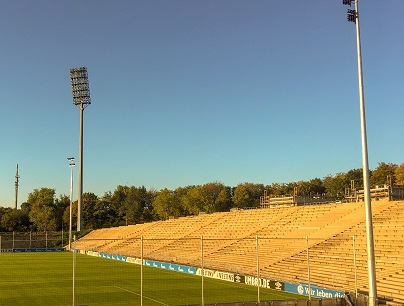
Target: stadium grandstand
[331,236]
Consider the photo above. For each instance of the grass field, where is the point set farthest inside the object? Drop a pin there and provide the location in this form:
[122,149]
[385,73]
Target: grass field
[46,279]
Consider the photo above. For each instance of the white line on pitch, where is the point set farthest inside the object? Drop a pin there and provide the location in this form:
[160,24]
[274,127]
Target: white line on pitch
[143,296]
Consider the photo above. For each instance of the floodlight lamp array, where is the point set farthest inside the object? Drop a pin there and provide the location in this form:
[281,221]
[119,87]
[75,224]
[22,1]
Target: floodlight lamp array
[80,87]
[71,161]
[347,2]
[352,15]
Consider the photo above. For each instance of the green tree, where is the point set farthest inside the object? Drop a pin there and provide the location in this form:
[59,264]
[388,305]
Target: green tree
[61,204]
[304,188]
[43,210]
[204,198]
[132,204]
[380,174]
[89,207]
[167,203]
[223,201]
[104,215]
[283,189]
[66,216]
[15,220]
[248,195]
[118,204]
[241,197]
[399,174]
[355,175]
[335,185]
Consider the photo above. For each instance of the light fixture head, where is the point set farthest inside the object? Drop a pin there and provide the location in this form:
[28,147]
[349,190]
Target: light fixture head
[352,15]
[80,87]
[347,2]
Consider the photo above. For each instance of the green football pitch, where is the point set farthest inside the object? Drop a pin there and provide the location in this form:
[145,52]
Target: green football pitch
[47,279]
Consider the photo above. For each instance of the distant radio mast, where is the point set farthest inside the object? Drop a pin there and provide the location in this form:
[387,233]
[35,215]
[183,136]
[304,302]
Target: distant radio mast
[16,188]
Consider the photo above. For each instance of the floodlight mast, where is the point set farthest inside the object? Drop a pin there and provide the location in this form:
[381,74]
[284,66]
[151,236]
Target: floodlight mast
[353,16]
[81,98]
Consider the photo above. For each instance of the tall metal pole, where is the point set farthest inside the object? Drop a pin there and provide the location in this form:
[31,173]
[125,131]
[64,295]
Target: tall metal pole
[81,98]
[16,188]
[80,177]
[72,164]
[354,16]
[74,270]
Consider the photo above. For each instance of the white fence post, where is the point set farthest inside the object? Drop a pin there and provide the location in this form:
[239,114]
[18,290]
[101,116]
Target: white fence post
[74,269]
[355,272]
[202,271]
[308,265]
[141,270]
[258,269]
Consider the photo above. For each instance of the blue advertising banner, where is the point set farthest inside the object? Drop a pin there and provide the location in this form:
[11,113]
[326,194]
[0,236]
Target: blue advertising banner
[112,256]
[299,288]
[315,291]
[24,250]
[170,266]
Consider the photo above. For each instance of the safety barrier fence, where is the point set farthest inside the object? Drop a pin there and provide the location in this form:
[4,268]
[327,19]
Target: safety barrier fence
[249,261]
[10,241]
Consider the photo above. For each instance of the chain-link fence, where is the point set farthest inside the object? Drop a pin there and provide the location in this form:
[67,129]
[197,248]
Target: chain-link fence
[17,241]
[293,265]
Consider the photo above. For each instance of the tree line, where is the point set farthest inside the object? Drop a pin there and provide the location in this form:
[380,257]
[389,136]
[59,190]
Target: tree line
[43,211]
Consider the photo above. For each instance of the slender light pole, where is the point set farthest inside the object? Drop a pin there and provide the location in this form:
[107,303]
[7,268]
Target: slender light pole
[17,177]
[353,16]
[71,165]
[81,98]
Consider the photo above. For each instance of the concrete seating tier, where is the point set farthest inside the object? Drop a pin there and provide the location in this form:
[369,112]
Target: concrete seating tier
[284,233]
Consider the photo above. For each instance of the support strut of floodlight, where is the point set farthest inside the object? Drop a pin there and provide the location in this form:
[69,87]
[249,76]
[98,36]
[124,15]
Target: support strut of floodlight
[81,98]
[353,16]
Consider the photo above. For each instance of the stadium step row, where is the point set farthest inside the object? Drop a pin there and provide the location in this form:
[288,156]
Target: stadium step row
[282,242]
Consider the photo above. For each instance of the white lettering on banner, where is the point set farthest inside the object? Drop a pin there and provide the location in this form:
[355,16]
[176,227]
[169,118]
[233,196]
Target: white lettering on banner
[318,292]
[216,274]
[306,289]
[208,273]
[262,282]
[323,294]
[224,276]
[134,260]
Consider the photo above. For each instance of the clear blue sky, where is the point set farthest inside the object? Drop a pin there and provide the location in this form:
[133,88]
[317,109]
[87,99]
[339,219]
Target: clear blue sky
[191,92]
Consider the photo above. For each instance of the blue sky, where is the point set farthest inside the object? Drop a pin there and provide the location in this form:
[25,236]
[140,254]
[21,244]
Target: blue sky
[191,92]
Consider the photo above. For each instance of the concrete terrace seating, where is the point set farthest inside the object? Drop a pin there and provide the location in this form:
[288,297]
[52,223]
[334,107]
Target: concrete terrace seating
[229,241]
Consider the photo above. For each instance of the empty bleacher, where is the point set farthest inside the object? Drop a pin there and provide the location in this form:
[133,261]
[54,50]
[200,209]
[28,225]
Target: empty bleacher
[229,243]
